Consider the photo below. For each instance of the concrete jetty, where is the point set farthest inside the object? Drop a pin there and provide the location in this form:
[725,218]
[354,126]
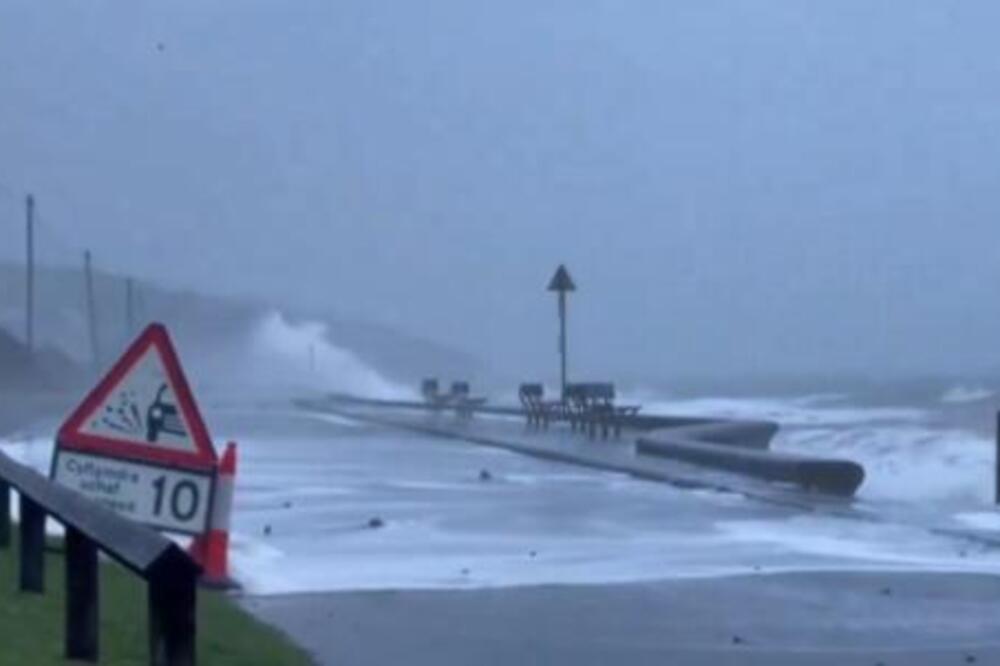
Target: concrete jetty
[718,454]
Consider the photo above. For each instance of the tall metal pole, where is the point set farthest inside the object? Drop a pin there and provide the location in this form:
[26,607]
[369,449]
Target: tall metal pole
[29,308]
[562,342]
[562,283]
[95,348]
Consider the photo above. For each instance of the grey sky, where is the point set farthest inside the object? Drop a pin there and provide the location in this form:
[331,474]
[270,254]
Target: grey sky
[738,187]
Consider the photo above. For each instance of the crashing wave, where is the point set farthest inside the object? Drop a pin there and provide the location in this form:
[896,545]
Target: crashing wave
[960,395]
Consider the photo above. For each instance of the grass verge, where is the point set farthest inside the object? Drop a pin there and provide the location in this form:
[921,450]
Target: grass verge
[31,626]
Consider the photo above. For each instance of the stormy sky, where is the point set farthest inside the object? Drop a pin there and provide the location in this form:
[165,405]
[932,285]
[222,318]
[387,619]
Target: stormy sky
[738,188]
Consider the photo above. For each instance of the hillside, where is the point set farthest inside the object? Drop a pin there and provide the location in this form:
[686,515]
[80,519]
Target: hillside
[47,370]
[228,345]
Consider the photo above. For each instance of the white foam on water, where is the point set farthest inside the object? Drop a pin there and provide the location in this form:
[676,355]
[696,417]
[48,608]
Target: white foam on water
[34,451]
[816,410]
[904,462]
[333,419]
[314,491]
[424,555]
[960,395]
[533,523]
[987,521]
[871,543]
[908,455]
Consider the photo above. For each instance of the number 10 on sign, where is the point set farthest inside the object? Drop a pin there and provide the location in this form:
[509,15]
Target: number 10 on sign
[170,499]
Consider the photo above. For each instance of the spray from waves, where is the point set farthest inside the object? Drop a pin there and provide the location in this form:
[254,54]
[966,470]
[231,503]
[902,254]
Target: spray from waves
[910,455]
[300,356]
[905,462]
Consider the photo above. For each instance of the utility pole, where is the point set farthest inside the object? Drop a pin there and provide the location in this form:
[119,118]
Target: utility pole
[95,348]
[29,309]
[129,308]
[562,283]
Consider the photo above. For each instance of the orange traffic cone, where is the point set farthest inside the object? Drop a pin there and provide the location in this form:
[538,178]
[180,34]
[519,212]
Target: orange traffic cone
[211,550]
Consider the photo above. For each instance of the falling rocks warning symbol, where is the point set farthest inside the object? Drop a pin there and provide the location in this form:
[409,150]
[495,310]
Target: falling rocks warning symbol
[143,409]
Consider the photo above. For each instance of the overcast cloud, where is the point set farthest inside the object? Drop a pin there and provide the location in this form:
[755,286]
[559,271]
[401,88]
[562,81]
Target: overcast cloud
[737,187]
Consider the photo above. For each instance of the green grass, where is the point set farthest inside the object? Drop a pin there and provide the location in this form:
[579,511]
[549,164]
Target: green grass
[31,626]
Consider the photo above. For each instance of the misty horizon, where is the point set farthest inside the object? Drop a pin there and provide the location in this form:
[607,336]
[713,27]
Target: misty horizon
[738,190]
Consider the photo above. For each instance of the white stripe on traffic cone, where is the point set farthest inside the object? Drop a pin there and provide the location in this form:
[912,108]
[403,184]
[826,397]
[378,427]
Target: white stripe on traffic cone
[211,550]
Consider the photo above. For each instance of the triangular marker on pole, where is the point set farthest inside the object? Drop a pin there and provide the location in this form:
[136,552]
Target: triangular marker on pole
[562,281]
[143,410]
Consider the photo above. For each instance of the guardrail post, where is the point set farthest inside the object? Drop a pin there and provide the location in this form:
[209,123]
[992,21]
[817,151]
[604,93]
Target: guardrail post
[82,608]
[4,514]
[32,545]
[172,609]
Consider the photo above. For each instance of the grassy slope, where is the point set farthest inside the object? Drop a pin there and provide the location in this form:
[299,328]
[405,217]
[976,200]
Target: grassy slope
[31,626]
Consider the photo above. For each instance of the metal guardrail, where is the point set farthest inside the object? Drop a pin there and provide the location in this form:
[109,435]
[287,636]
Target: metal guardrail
[171,574]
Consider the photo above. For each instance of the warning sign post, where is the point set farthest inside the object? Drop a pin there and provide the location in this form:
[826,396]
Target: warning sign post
[138,445]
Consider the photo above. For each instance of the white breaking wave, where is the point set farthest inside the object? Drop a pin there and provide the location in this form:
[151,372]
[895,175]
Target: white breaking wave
[905,462]
[959,395]
[907,455]
[818,410]
[302,357]
[987,521]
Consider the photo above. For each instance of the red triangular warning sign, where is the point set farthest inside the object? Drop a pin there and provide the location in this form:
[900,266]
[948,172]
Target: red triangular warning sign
[143,410]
